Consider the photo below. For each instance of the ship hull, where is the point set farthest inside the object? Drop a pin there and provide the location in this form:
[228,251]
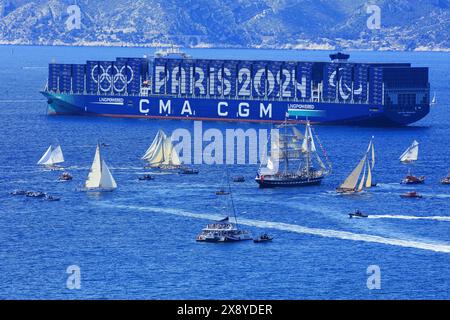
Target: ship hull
[296,182]
[219,109]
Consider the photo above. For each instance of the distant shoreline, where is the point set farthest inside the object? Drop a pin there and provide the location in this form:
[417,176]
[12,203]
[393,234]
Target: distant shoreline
[312,47]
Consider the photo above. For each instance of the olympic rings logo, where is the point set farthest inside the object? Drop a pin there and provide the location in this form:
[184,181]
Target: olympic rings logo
[107,80]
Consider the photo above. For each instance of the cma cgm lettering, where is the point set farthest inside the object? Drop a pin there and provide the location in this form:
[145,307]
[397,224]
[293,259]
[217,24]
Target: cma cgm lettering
[176,86]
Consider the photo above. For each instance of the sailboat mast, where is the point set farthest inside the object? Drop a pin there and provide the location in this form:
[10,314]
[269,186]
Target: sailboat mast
[308,149]
[231,198]
[286,160]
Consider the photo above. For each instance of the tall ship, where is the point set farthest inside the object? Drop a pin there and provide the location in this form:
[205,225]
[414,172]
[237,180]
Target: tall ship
[294,160]
[173,85]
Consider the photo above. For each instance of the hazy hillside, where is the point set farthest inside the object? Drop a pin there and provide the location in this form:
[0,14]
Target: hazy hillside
[405,24]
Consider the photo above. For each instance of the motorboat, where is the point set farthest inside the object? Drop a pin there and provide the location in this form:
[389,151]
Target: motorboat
[263,238]
[66,177]
[411,194]
[35,194]
[410,179]
[187,170]
[358,214]
[146,177]
[222,193]
[239,179]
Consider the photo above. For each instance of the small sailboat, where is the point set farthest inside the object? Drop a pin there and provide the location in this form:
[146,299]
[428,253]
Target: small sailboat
[100,177]
[298,159]
[434,99]
[409,156]
[162,154]
[446,180]
[52,157]
[355,182]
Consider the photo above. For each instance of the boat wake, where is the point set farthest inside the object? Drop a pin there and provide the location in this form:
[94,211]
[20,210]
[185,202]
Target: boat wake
[327,233]
[436,218]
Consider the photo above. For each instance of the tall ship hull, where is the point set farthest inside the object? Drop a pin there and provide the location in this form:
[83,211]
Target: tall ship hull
[179,87]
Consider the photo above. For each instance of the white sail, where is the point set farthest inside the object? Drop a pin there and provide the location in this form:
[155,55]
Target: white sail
[46,158]
[411,154]
[373,155]
[361,183]
[57,155]
[107,180]
[434,100]
[369,177]
[170,156]
[160,137]
[352,180]
[95,174]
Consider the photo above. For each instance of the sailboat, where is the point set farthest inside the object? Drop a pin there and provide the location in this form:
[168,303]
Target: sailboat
[100,177]
[434,100]
[355,182]
[409,156]
[161,154]
[52,157]
[224,230]
[446,180]
[298,159]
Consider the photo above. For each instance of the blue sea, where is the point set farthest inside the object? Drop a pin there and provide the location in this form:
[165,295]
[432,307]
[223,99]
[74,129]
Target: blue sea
[138,242]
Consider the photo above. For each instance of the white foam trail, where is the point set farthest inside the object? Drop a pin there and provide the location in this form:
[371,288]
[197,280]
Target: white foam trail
[437,218]
[344,235]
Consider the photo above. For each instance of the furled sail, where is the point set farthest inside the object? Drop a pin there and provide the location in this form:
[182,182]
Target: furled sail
[352,180]
[411,154]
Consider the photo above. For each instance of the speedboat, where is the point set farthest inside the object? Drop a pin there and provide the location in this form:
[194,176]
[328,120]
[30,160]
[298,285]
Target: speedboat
[411,194]
[358,214]
[65,177]
[19,193]
[263,238]
[36,194]
[446,180]
[223,231]
[239,179]
[51,198]
[222,193]
[146,177]
[410,179]
[188,171]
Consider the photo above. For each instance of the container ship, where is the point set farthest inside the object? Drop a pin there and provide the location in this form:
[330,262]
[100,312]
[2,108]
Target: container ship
[173,85]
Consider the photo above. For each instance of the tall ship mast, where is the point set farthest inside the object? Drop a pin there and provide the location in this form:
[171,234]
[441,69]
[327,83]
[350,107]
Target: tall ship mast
[294,160]
[174,85]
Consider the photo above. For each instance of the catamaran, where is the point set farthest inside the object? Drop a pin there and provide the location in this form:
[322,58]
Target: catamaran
[367,163]
[410,156]
[100,177]
[224,230]
[297,159]
[52,157]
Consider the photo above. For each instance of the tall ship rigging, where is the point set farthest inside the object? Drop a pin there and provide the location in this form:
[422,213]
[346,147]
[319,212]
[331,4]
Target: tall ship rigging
[294,160]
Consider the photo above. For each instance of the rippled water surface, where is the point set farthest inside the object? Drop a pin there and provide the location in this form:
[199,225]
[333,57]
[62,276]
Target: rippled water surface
[138,242]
